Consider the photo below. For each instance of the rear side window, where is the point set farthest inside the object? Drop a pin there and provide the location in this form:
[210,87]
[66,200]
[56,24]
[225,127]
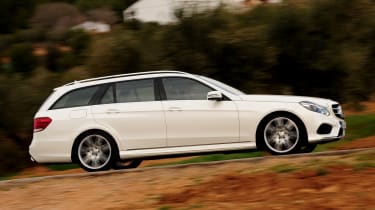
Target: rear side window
[79,97]
[135,91]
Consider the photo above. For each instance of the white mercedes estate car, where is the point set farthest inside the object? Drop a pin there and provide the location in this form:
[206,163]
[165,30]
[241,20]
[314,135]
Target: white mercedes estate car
[118,121]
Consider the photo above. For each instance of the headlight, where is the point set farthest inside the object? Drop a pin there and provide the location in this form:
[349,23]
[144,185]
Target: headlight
[315,107]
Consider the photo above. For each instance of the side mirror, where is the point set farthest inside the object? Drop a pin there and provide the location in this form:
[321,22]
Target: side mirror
[214,96]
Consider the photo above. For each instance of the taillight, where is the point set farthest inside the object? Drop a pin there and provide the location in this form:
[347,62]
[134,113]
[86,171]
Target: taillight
[41,123]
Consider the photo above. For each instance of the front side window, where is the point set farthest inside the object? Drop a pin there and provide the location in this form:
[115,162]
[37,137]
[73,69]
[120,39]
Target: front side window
[79,97]
[177,88]
[135,91]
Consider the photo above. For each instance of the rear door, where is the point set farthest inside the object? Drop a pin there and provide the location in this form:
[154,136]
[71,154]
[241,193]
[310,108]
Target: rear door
[133,111]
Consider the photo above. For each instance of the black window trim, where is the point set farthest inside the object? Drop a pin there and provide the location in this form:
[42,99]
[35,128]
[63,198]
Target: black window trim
[160,89]
[99,94]
[97,100]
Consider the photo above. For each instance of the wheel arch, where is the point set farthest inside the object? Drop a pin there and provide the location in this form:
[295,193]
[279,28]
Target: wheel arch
[258,135]
[83,134]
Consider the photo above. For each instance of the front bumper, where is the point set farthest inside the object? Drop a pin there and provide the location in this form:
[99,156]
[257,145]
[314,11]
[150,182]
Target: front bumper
[338,132]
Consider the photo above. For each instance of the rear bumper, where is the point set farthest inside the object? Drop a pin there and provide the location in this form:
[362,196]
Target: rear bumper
[48,157]
[49,151]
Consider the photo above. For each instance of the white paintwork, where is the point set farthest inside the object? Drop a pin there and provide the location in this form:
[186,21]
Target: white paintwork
[140,124]
[201,122]
[143,129]
[163,11]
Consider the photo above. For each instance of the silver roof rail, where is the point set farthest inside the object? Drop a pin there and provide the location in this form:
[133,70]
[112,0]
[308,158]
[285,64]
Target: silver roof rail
[124,75]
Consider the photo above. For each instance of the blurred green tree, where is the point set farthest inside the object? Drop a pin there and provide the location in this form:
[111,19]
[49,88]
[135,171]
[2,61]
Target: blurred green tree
[52,57]
[23,59]
[116,5]
[15,14]
[56,19]
[78,40]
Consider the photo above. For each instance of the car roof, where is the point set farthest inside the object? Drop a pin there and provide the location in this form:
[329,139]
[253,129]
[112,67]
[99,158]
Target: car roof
[113,78]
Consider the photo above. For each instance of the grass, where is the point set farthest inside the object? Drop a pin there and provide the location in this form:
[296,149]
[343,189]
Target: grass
[365,160]
[217,157]
[321,172]
[164,208]
[363,165]
[284,168]
[360,126]
[7,176]
[62,167]
[366,157]
[194,206]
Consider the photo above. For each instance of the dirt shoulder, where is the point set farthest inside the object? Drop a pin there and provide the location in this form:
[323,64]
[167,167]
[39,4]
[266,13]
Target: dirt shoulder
[314,182]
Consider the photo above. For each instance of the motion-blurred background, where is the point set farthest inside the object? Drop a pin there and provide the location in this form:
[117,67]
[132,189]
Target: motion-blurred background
[323,48]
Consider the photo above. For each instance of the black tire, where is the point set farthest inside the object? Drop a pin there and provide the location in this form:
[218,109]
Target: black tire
[95,151]
[281,133]
[127,164]
[308,148]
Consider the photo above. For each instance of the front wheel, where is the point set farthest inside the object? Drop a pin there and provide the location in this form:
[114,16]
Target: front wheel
[281,134]
[96,152]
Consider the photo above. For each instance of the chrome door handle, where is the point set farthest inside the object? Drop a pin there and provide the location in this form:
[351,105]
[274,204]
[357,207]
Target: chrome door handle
[173,109]
[113,111]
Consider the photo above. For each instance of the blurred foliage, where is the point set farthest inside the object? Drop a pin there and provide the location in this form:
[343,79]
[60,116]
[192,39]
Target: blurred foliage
[116,5]
[56,19]
[15,14]
[103,14]
[12,158]
[23,59]
[52,58]
[78,40]
[67,61]
[323,48]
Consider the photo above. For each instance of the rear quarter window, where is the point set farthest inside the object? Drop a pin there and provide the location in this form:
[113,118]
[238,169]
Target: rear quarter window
[79,97]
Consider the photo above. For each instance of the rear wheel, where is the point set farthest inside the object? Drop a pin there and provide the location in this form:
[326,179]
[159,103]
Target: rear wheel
[96,152]
[281,134]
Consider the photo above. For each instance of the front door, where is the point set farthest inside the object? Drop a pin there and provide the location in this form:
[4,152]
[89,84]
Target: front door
[191,119]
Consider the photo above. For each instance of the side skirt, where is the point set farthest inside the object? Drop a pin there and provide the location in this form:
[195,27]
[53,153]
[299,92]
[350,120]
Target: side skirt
[159,153]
